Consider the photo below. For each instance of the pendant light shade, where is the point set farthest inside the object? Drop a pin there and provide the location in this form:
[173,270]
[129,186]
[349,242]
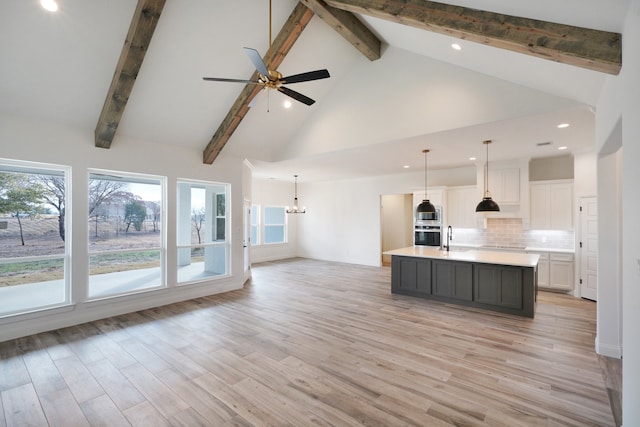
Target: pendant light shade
[295,209]
[487,204]
[426,207]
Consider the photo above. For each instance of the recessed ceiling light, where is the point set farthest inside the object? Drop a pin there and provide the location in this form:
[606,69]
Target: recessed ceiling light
[406,166]
[456,46]
[472,158]
[287,104]
[564,147]
[563,125]
[49,5]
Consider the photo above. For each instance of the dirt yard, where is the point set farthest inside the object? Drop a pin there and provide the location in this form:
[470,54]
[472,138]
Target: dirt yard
[41,237]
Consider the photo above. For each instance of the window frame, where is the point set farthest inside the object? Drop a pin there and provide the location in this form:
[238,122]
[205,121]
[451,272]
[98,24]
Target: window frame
[131,178]
[47,169]
[284,225]
[227,243]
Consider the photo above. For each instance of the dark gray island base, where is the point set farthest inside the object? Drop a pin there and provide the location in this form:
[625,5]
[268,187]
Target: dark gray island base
[466,280]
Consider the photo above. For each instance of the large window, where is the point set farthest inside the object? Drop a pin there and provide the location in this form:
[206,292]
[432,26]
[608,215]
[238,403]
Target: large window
[34,260]
[126,240]
[275,225]
[202,230]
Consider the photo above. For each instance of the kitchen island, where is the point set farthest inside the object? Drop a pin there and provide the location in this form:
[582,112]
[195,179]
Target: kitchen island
[499,281]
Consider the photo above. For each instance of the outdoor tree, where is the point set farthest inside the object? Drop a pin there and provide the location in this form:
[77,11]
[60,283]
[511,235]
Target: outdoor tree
[54,196]
[103,193]
[5,180]
[135,213]
[155,209]
[198,216]
[18,196]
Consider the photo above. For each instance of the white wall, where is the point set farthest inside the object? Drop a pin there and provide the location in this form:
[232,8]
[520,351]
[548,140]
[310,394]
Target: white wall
[619,105]
[343,219]
[33,140]
[609,336]
[268,192]
[585,166]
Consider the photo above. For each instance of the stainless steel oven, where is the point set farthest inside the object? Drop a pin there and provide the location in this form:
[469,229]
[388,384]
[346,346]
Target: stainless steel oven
[427,229]
[427,235]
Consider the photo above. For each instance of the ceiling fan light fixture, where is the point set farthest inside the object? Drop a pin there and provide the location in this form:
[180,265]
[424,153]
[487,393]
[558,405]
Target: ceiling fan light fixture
[295,209]
[487,204]
[273,79]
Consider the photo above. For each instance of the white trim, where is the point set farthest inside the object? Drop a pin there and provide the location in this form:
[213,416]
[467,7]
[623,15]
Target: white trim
[608,350]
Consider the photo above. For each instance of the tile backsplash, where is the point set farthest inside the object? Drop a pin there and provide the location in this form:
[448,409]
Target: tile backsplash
[509,232]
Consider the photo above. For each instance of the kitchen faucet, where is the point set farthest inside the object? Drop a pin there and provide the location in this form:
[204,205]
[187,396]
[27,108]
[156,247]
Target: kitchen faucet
[449,238]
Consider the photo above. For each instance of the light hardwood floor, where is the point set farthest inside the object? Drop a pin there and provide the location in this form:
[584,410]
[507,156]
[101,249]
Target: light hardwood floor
[312,343]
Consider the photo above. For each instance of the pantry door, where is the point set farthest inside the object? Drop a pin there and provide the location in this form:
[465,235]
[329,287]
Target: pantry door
[589,248]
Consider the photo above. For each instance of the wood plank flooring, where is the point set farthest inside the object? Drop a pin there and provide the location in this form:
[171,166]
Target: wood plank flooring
[312,343]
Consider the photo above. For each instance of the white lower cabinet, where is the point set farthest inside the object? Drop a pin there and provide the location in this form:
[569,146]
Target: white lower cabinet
[555,271]
[561,271]
[543,270]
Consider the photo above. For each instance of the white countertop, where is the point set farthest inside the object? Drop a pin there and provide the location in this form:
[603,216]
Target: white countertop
[479,256]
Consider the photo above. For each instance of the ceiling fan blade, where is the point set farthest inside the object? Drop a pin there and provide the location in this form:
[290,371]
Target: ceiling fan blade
[217,79]
[255,57]
[295,95]
[305,77]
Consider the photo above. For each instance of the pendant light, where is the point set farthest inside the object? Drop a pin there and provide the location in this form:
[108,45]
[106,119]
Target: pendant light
[425,208]
[487,204]
[295,209]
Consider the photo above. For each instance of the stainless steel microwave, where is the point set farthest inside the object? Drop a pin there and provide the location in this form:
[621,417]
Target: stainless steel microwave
[429,218]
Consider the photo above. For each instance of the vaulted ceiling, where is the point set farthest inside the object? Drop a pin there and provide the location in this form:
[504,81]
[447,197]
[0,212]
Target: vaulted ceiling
[135,72]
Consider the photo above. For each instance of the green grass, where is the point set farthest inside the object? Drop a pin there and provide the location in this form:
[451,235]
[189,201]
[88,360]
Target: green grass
[125,258]
[31,267]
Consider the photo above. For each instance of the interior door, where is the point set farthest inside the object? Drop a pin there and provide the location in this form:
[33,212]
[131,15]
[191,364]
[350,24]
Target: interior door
[589,248]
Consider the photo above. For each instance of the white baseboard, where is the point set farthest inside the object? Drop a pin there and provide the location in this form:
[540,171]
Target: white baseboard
[608,350]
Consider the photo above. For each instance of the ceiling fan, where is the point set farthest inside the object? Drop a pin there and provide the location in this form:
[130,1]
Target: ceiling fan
[272,79]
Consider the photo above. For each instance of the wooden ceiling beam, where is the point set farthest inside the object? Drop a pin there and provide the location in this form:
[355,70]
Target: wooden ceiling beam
[348,26]
[280,47]
[143,24]
[582,47]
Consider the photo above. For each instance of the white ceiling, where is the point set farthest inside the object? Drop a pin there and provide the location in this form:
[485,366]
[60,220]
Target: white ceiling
[370,118]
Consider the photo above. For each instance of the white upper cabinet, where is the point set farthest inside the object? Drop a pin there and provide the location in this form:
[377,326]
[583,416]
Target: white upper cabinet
[461,206]
[504,185]
[551,205]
